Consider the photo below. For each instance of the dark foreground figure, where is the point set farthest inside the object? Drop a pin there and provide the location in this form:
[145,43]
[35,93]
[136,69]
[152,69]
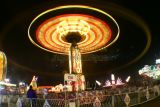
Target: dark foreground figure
[31,94]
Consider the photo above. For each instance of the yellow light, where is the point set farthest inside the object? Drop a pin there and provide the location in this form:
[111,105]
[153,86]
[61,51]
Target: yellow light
[73,25]
[70,62]
[3,65]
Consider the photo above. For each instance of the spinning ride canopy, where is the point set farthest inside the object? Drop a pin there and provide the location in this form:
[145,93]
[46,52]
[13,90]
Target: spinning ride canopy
[54,30]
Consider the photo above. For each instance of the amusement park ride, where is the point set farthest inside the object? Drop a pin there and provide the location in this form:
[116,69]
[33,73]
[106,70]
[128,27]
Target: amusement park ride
[3,64]
[64,31]
[152,71]
[115,82]
[4,82]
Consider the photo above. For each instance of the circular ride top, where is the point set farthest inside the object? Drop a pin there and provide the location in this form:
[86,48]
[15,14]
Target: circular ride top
[54,30]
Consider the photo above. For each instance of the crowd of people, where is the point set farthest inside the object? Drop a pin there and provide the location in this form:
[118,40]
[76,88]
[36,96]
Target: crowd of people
[89,96]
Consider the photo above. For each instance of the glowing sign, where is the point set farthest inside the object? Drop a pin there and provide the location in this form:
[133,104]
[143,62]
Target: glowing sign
[70,77]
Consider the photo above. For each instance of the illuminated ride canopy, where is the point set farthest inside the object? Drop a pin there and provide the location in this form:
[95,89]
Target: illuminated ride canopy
[96,29]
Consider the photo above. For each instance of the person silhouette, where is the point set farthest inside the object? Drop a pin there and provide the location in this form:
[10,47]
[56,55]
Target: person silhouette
[31,94]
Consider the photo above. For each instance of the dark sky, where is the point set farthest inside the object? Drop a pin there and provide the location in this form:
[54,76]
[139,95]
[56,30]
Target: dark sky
[26,60]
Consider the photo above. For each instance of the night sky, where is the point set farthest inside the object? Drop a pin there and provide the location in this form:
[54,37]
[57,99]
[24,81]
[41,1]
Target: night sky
[136,18]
